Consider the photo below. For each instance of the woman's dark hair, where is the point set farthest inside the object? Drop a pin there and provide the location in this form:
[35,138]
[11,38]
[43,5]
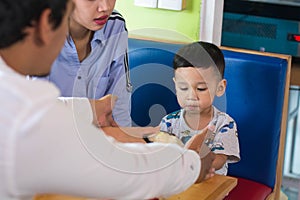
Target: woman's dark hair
[16,15]
[201,55]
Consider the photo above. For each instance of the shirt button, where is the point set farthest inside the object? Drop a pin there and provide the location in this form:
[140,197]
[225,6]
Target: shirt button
[79,77]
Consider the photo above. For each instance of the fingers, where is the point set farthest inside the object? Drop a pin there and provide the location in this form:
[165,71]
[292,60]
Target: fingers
[156,129]
[210,173]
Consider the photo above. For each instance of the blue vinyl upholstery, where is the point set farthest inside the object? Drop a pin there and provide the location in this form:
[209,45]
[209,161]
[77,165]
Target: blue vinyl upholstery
[151,74]
[254,98]
[255,95]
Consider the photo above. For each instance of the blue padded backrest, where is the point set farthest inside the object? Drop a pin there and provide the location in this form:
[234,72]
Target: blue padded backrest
[151,74]
[254,98]
[255,95]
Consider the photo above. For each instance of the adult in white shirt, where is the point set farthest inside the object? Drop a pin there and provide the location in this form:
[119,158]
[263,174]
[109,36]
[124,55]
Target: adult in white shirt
[51,146]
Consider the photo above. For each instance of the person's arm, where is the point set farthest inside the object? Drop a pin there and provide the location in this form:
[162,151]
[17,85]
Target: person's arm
[119,74]
[219,161]
[59,151]
[129,134]
[207,156]
[102,117]
[118,87]
[102,110]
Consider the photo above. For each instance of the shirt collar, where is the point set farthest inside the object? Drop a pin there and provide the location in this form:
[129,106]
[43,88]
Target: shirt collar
[99,36]
[5,69]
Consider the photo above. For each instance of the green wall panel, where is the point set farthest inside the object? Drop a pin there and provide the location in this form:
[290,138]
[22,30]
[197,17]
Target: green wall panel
[181,26]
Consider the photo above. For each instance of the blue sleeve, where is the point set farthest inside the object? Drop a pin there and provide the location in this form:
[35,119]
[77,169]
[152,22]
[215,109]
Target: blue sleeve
[118,86]
[119,83]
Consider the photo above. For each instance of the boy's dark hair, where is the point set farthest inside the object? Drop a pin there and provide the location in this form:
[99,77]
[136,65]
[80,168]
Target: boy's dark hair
[16,15]
[200,54]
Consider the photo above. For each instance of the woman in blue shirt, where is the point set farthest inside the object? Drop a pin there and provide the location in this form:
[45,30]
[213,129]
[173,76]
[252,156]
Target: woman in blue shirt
[93,61]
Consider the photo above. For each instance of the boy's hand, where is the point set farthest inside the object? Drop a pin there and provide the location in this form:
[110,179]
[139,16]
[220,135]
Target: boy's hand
[102,110]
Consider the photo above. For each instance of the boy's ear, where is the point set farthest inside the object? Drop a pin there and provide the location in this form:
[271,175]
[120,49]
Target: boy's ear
[44,28]
[221,88]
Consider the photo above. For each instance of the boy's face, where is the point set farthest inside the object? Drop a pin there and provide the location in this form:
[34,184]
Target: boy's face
[92,15]
[197,87]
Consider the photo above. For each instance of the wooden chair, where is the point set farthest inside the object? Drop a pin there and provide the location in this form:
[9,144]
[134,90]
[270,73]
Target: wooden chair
[256,97]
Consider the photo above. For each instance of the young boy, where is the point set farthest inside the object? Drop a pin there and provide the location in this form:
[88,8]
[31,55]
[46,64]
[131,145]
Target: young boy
[199,77]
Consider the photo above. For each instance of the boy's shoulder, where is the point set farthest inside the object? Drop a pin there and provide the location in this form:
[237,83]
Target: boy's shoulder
[222,115]
[223,121]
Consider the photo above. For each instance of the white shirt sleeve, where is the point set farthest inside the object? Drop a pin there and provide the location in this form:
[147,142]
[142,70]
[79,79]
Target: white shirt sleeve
[80,105]
[60,151]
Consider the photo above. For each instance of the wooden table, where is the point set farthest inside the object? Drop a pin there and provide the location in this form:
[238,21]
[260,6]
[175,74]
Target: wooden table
[215,188]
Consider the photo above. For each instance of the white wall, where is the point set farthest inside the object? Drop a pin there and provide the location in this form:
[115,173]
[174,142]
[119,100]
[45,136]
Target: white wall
[211,21]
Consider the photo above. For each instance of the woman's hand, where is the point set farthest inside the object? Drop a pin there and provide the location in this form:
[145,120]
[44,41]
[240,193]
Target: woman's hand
[102,110]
